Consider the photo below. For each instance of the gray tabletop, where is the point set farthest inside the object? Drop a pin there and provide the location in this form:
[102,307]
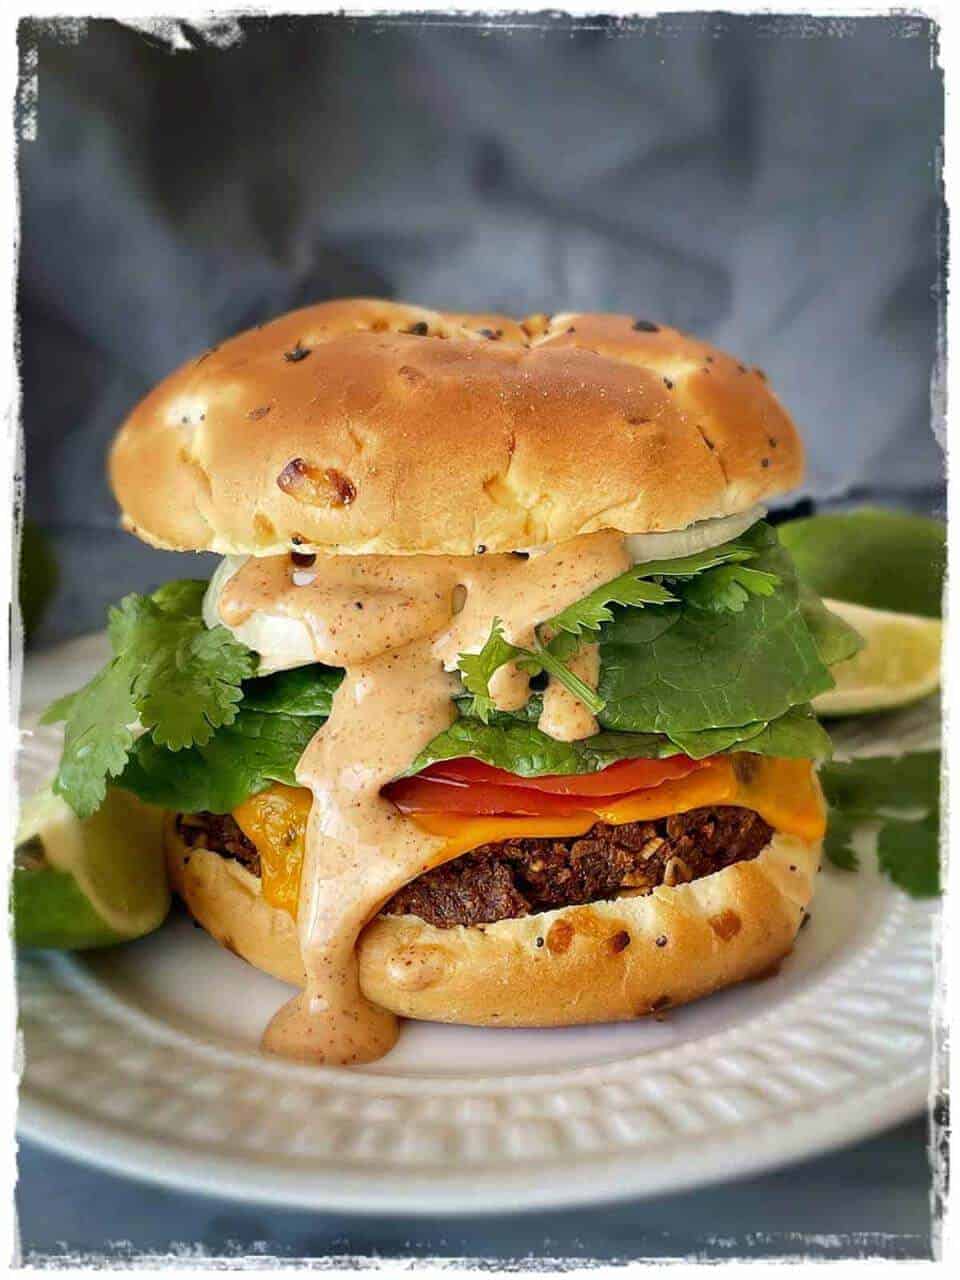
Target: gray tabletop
[870,1200]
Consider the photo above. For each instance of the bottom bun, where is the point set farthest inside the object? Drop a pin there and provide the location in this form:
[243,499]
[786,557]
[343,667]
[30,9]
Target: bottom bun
[602,962]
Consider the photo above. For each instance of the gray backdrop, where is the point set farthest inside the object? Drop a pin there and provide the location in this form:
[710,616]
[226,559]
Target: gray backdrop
[769,183]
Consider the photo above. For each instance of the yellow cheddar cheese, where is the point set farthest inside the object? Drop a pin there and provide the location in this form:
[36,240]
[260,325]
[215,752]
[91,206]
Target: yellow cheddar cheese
[784,792]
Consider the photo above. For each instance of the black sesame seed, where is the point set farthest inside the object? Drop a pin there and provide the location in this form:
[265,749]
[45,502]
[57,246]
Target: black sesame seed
[662,940]
[646,326]
[709,359]
[539,942]
[303,559]
[419,329]
[481,549]
[571,329]
[296,353]
[764,462]
[668,384]
[358,604]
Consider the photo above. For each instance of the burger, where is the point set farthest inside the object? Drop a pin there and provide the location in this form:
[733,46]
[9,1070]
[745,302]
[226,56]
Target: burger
[496,709]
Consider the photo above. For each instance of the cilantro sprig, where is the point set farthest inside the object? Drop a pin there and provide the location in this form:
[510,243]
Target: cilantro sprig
[714,580]
[641,585]
[170,676]
[899,798]
[477,670]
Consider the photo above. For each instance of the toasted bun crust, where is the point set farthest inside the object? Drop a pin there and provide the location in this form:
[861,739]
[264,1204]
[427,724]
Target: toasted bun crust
[363,426]
[607,961]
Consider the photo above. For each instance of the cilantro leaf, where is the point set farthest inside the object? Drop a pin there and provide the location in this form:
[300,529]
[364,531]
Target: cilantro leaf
[908,852]
[899,796]
[477,669]
[539,657]
[188,684]
[590,613]
[838,842]
[727,589]
[181,680]
[97,738]
[881,784]
[302,691]
[634,589]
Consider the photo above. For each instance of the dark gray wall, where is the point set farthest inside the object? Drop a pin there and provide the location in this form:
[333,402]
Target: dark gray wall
[769,183]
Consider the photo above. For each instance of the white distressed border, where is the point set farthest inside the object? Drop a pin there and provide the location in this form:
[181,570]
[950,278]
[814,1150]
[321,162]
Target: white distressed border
[218,26]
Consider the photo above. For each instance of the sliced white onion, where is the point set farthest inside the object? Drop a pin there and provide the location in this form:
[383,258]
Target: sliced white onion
[280,641]
[701,536]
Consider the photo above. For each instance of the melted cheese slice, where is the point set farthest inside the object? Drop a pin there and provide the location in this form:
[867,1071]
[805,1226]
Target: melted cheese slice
[785,793]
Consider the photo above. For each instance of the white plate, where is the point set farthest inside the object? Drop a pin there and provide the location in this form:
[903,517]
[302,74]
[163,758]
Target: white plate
[143,1060]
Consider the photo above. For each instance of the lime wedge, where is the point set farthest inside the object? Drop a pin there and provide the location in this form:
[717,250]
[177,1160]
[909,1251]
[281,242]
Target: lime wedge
[899,663]
[90,882]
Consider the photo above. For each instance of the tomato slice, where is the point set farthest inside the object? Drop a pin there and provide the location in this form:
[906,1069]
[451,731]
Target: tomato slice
[615,780]
[441,795]
[470,786]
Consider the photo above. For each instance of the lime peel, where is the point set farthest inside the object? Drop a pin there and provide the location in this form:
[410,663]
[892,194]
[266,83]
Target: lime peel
[101,879]
[899,663]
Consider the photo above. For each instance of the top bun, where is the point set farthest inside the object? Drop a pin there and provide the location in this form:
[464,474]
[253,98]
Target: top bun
[372,427]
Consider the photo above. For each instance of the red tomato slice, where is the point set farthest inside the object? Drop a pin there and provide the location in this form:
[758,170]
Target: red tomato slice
[615,780]
[440,795]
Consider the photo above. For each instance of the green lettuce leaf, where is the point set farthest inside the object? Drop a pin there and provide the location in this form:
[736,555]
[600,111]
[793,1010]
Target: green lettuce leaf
[239,760]
[302,691]
[517,745]
[522,749]
[181,680]
[835,639]
[682,669]
[797,734]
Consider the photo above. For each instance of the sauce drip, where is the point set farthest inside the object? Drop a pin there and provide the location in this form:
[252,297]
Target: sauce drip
[397,624]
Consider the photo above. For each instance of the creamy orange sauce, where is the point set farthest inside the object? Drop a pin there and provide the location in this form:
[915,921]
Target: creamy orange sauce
[397,624]
[564,716]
